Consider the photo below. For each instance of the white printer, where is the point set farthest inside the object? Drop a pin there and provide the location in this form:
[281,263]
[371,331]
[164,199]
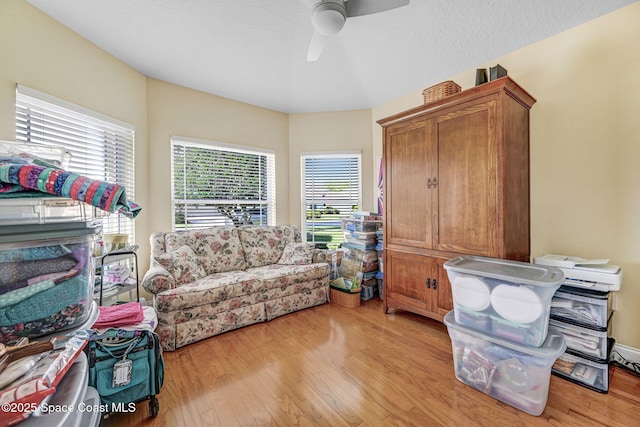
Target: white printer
[595,274]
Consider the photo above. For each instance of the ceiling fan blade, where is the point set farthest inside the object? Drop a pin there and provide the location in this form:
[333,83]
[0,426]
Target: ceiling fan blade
[316,46]
[367,7]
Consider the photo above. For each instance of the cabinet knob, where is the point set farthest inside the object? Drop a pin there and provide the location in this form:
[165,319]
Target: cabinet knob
[429,183]
[429,283]
[434,283]
[434,181]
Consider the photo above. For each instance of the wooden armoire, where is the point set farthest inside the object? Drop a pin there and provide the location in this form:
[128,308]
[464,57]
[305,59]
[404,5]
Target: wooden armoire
[456,181]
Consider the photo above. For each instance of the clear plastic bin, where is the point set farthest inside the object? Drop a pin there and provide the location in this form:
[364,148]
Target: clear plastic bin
[514,374]
[45,210]
[506,298]
[586,308]
[360,225]
[52,154]
[581,370]
[46,278]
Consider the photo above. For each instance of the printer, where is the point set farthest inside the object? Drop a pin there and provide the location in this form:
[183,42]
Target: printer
[595,274]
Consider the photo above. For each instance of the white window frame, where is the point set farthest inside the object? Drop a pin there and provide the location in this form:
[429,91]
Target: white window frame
[211,215]
[345,204]
[101,147]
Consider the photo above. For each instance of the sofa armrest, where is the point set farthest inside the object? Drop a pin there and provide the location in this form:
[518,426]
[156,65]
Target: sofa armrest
[157,279]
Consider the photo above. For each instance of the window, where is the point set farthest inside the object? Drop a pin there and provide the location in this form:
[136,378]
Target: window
[221,184]
[101,147]
[331,190]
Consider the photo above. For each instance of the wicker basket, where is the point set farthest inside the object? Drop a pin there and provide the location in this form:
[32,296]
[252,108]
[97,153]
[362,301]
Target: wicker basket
[439,91]
[345,298]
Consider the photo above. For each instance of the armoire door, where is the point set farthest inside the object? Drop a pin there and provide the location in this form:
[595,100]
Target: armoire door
[406,275]
[466,190]
[410,152]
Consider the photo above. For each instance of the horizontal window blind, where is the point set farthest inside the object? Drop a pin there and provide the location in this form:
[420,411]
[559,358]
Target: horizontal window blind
[331,190]
[218,184]
[101,147]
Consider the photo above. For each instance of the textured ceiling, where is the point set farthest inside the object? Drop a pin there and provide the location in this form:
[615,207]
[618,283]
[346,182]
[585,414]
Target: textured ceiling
[254,51]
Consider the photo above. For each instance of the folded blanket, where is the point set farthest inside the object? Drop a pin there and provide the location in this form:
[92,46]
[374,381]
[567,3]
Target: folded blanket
[47,302]
[129,313]
[63,319]
[110,197]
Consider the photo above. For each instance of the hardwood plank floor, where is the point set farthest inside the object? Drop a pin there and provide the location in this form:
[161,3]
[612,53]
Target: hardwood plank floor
[337,366]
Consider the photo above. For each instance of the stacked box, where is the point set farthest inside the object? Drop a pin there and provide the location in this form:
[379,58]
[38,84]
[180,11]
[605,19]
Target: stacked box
[584,317]
[515,374]
[360,234]
[499,328]
[46,278]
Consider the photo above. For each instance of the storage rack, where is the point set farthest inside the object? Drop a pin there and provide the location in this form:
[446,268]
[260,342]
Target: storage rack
[114,257]
[589,341]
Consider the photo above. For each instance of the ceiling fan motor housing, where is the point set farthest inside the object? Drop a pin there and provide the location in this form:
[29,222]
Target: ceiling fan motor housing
[328,17]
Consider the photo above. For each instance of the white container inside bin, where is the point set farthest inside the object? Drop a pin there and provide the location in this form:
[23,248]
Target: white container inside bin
[46,278]
[515,374]
[510,299]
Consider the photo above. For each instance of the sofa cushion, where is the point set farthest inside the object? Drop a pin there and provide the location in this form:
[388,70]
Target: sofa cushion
[210,289]
[297,254]
[218,249]
[278,276]
[264,245]
[182,264]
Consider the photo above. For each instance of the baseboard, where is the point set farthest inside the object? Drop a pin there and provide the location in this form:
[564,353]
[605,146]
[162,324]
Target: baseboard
[627,357]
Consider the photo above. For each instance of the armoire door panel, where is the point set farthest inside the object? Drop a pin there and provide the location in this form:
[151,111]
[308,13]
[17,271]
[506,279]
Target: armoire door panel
[467,180]
[410,159]
[407,276]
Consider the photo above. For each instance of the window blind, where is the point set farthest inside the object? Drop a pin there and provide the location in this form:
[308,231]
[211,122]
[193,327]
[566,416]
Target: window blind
[331,190]
[220,184]
[101,147]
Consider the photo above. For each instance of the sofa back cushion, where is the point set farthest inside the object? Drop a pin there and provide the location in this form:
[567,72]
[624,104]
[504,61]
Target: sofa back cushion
[263,245]
[217,249]
[182,264]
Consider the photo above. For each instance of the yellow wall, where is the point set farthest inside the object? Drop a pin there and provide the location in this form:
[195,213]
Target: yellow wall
[332,132]
[40,53]
[175,110]
[585,146]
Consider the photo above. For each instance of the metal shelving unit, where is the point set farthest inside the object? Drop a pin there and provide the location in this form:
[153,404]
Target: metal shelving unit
[115,257]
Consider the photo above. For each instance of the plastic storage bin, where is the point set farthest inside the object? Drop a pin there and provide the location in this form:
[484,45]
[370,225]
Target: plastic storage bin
[46,278]
[509,299]
[43,210]
[583,371]
[512,373]
[584,340]
[583,307]
[360,225]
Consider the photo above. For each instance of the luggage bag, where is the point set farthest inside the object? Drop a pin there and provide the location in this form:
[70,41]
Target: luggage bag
[126,370]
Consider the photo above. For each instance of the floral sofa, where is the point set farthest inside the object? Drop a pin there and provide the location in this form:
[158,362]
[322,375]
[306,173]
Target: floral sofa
[210,281]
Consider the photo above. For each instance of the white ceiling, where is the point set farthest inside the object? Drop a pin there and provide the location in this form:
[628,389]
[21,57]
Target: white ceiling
[254,51]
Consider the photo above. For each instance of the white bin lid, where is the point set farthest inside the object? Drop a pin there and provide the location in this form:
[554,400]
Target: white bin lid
[511,271]
[29,232]
[552,347]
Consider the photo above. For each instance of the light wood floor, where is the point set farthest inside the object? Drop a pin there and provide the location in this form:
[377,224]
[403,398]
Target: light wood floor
[337,366]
